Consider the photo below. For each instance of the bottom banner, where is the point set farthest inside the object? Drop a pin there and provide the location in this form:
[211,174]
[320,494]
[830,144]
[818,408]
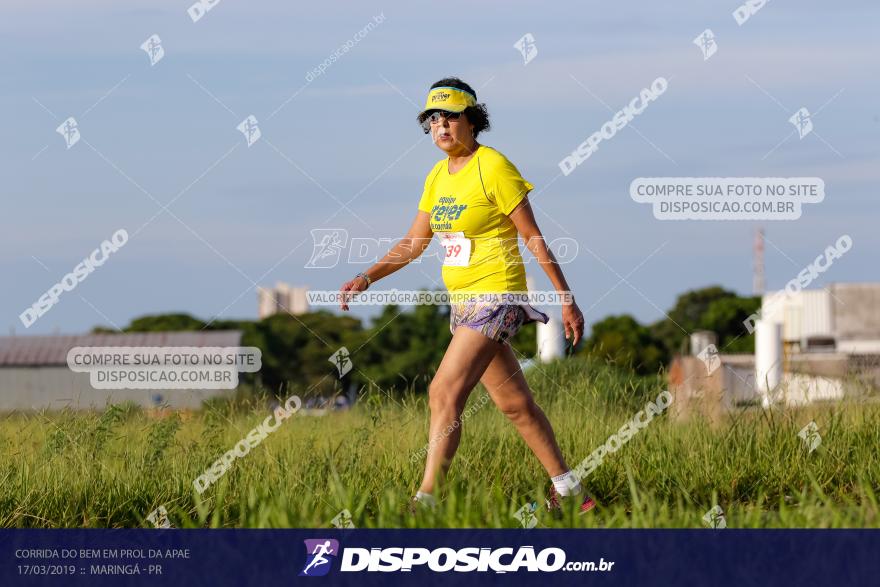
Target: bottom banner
[433,557]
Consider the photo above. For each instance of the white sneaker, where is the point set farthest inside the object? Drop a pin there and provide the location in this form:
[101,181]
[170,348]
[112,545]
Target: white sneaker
[425,500]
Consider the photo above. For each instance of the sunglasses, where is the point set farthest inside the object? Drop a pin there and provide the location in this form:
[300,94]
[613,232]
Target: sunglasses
[434,117]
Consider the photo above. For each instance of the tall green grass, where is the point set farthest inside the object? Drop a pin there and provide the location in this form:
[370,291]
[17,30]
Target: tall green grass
[112,469]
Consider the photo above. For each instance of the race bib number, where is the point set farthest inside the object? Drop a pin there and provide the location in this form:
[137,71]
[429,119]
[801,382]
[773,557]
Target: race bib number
[458,248]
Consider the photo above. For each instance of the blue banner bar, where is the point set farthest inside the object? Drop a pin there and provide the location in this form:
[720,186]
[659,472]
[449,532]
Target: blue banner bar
[434,557]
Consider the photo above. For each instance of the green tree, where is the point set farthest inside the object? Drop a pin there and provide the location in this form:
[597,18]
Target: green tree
[165,323]
[297,350]
[623,341]
[725,317]
[686,317]
[403,348]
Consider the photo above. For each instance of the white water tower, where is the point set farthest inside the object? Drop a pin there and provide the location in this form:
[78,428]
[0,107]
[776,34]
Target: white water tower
[768,358]
[551,336]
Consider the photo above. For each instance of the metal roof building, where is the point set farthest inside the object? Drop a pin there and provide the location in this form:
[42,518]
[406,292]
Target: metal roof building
[843,317]
[34,374]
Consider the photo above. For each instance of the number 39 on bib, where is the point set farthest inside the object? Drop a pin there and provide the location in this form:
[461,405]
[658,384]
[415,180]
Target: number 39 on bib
[458,248]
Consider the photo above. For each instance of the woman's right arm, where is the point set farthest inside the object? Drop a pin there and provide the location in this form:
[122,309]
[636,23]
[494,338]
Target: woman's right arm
[413,244]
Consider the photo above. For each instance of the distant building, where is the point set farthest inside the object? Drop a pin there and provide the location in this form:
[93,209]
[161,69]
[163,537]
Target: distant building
[34,374]
[810,345]
[283,298]
[844,317]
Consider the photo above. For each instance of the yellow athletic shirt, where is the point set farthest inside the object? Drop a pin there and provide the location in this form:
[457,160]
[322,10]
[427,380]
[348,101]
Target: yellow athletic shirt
[476,200]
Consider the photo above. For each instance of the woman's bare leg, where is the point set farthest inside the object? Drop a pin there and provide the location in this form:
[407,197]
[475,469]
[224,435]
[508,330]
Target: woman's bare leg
[507,387]
[467,357]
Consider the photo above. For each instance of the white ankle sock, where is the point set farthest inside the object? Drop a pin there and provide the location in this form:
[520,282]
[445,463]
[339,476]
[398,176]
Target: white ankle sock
[566,484]
[425,498]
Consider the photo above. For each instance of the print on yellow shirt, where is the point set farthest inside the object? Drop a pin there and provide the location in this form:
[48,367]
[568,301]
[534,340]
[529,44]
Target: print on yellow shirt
[476,201]
[444,212]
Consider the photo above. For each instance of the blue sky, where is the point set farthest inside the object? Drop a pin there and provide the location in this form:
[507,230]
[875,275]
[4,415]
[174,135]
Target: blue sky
[155,133]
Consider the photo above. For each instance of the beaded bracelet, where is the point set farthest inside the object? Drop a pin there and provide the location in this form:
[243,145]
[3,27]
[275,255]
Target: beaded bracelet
[366,278]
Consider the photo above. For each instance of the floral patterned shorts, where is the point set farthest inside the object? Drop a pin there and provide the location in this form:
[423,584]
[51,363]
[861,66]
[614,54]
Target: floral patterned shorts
[498,319]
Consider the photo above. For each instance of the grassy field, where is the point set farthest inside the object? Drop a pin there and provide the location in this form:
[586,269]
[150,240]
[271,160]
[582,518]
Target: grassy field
[113,469]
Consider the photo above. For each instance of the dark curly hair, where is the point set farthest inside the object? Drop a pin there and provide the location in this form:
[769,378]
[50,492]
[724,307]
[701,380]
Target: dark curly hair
[476,115]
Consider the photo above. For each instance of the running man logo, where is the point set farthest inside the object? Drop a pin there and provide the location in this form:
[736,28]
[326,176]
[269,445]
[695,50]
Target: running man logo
[159,518]
[342,521]
[342,360]
[69,129]
[249,127]
[811,437]
[802,121]
[714,518]
[318,553]
[153,48]
[706,43]
[327,244]
[527,47]
[710,358]
[526,515]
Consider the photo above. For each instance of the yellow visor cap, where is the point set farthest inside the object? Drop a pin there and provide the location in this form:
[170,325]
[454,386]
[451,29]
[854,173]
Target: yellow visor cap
[449,99]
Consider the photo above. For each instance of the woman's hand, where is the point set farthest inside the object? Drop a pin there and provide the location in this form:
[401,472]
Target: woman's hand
[349,289]
[573,322]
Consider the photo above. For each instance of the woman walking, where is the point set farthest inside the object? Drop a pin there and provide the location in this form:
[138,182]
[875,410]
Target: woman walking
[476,201]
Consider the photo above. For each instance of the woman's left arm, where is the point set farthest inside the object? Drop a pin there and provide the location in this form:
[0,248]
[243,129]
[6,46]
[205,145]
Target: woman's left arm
[524,220]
